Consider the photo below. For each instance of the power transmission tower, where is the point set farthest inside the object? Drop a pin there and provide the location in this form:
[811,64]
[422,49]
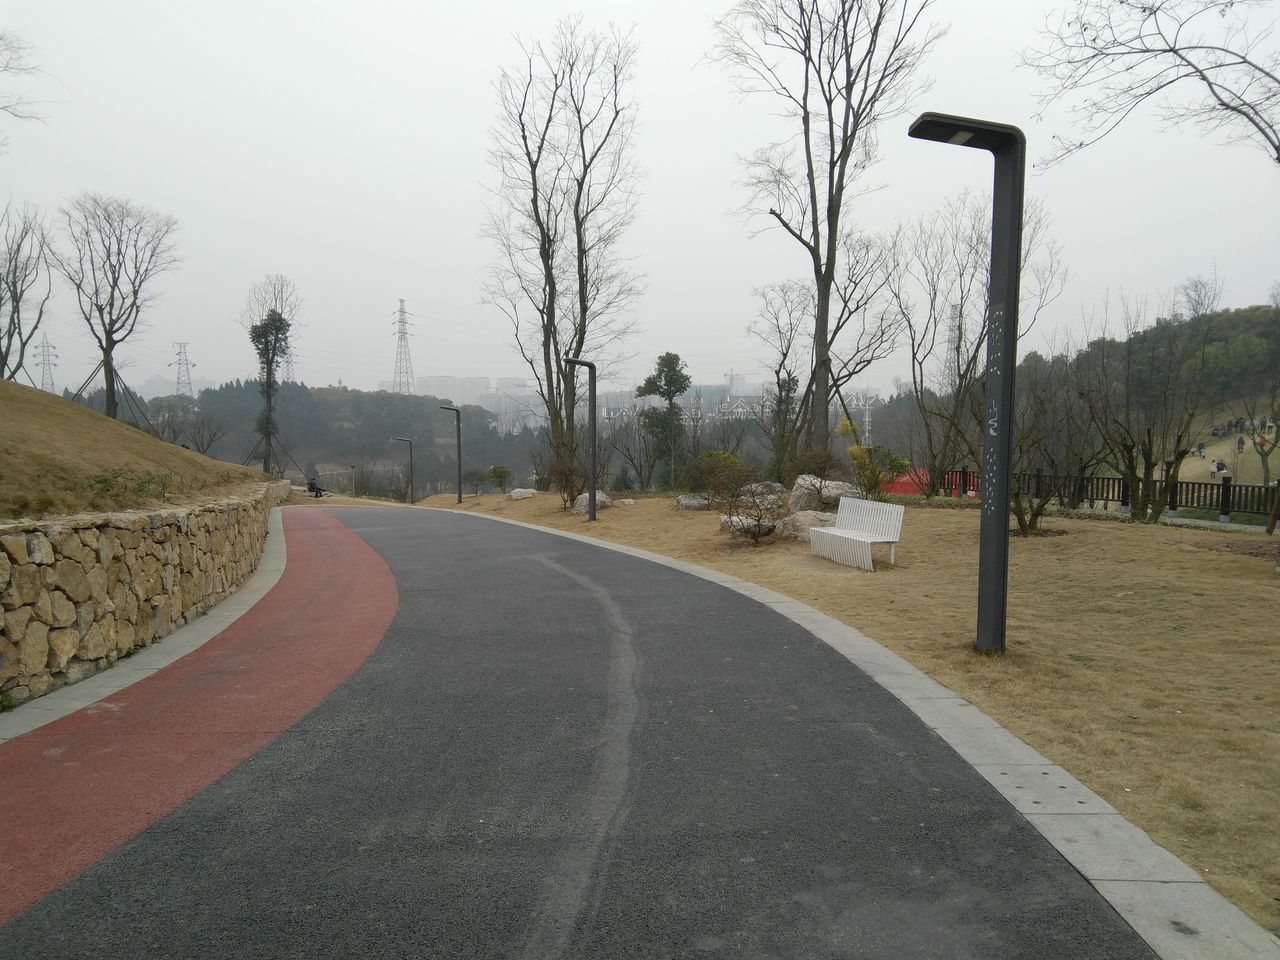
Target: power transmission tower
[864,401]
[288,375]
[402,382]
[48,359]
[184,369]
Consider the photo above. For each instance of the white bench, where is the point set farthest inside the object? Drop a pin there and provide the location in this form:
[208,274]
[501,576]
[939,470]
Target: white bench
[859,524]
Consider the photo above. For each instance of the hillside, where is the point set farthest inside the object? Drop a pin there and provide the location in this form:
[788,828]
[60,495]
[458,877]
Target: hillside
[57,457]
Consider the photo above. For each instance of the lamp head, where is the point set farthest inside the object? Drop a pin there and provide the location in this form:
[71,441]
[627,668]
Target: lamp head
[967,132]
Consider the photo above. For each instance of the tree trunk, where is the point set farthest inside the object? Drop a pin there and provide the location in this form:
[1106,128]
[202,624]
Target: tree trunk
[267,431]
[109,382]
[819,432]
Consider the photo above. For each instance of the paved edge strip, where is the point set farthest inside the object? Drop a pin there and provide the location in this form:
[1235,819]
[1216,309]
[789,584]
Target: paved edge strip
[1166,902]
[158,655]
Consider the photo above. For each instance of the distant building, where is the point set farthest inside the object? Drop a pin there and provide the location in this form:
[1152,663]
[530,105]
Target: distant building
[443,387]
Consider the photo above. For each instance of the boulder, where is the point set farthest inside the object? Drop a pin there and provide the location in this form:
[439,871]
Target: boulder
[688,501]
[521,493]
[745,526]
[810,493]
[602,500]
[763,487]
[797,525]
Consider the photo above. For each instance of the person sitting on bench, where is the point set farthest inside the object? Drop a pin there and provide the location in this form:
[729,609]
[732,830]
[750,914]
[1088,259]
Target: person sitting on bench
[315,489]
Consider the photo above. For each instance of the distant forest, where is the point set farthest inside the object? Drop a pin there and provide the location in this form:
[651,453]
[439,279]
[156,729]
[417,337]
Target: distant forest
[339,427]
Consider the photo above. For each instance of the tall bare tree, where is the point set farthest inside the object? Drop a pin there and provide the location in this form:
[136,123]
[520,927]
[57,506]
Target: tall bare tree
[115,249]
[26,284]
[837,68]
[15,62]
[566,193]
[1202,61]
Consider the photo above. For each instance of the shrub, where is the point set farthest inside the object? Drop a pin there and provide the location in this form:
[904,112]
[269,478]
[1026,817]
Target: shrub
[708,467]
[875,466]
[500,477]
[753,509]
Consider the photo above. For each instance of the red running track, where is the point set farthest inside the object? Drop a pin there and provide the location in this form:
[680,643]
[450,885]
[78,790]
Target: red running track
[77,788]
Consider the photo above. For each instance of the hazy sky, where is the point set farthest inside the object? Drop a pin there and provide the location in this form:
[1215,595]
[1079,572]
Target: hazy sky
[344,145]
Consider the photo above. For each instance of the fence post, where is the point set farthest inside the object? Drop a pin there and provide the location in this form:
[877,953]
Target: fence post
[1124,495]
[1172,487]
[1224,503]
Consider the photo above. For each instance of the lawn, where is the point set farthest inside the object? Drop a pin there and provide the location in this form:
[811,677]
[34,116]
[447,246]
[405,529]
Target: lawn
[1145,660]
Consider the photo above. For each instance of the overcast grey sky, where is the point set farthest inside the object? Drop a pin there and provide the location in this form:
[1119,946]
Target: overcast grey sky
[344,145]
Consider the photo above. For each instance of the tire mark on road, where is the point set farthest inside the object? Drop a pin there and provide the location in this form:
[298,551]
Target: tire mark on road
[567,889]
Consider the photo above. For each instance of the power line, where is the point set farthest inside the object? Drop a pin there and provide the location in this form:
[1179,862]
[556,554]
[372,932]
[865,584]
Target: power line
[184,369]
[402,381]
[47,358]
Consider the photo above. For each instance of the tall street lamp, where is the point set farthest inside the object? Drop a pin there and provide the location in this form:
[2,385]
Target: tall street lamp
[457,417]
[410,443]
[1009,148]
[591,419]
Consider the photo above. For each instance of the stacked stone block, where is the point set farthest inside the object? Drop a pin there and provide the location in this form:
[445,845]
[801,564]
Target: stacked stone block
[77,593]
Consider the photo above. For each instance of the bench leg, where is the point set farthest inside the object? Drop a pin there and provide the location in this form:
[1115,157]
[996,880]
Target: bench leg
[891,563]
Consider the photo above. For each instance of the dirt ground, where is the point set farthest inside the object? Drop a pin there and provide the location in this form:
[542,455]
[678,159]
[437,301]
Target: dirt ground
[1145,660]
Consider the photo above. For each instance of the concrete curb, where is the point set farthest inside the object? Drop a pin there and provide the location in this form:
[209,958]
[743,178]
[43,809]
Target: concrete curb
[174,646]
[1165,901]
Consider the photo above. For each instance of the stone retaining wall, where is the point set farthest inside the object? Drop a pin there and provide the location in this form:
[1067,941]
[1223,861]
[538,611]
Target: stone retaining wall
[79,592]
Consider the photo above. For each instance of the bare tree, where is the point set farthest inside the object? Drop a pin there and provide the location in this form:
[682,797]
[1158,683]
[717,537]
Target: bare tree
[204,431]
[1145,393]
[1110,57]
[637,447]
[115,251]
[940,281]
[838,67]
[783,327]
[566,194]
[15,62]
[26,284]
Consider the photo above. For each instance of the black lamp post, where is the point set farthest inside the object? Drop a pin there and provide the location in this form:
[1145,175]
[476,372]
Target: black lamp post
[457,417]
[591,419]
[1009,147]
[410,443]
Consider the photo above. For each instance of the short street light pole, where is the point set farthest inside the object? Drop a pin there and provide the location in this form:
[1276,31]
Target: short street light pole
[353,481]
[1009,148]
[591,418]
[457,417]
[410,443]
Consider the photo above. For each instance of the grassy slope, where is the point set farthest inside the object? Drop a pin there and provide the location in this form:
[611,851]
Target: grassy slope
[57,457]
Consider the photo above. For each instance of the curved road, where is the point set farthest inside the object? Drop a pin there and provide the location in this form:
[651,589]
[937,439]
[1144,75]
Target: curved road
[555,750]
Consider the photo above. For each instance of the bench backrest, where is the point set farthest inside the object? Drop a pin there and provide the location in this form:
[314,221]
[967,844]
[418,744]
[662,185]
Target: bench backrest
[868,516]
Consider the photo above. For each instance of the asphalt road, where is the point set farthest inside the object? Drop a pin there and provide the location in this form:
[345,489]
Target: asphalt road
[561,751]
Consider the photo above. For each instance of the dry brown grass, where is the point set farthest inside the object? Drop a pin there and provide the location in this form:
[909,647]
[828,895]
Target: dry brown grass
[57,458]
[1145,660]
